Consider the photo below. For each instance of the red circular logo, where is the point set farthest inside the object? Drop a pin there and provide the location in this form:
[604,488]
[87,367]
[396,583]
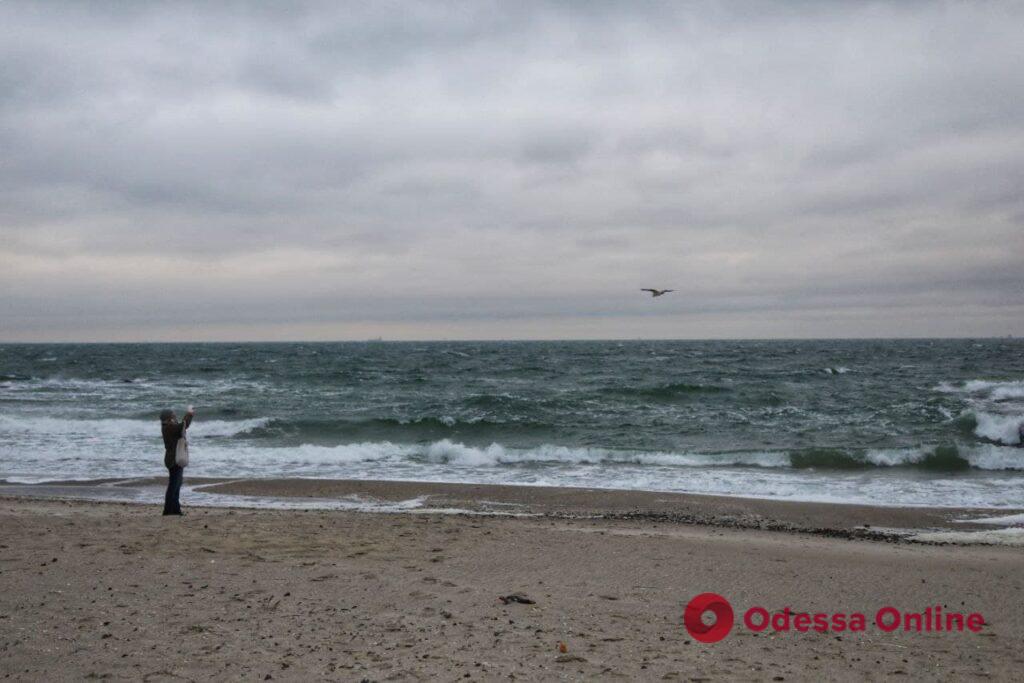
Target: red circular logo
[717,605]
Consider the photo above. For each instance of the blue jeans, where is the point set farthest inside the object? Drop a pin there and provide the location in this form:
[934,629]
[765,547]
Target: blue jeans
[172,506]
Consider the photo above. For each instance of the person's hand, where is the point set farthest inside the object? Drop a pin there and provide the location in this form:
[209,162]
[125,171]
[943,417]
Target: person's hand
[191,410]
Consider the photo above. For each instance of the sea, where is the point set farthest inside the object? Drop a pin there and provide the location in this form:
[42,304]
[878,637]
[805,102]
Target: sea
[883,422]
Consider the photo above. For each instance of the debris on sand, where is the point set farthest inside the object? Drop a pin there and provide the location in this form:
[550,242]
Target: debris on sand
[564,659]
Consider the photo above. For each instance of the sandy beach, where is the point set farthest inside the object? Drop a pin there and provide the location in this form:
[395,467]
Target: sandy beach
[114,590]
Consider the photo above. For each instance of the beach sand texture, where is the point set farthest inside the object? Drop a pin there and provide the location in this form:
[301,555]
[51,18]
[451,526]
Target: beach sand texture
[107,590]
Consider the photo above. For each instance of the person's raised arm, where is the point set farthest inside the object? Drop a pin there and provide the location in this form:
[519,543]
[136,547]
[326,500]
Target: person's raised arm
[188,416]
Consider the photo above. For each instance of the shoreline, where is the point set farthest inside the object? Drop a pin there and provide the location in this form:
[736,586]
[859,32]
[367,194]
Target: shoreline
[201,481]
[840,520]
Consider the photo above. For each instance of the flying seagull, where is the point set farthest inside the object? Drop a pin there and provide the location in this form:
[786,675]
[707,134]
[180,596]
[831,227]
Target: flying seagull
[657,292]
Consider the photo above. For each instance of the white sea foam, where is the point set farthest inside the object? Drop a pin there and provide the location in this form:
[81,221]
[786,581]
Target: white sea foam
[1003,429]
[987,457]
[1011,537]
[995,458]
[56,439]
[995,407]
[649,472]
[457,454]
[983,457]
[355,502]
[895,457]
[1005,393]
[309,454]
[994,390]
[119,428]
[451,453]
[1002,520]
[49,449]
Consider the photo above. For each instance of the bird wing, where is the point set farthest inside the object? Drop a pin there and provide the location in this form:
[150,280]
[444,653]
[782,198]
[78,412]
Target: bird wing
[652,291]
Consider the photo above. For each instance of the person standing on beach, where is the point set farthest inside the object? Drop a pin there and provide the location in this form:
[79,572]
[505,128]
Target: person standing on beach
[172,431]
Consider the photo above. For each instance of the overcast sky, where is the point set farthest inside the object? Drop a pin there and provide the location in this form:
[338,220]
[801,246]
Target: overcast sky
[211,170]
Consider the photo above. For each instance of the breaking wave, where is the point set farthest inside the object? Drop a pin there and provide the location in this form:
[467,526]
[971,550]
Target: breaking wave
[991,390]
[1004,429]
[995,414]
[452,453]
[119,428]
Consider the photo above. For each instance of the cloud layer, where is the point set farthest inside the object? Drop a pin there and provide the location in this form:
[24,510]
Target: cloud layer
[475,170]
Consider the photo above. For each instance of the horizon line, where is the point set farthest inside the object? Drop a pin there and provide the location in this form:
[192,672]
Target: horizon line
[515,340]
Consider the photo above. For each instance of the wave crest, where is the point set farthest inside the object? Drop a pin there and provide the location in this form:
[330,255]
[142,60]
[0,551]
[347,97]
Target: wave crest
[981,388]
[941,458]
[1004,429]
[120,428]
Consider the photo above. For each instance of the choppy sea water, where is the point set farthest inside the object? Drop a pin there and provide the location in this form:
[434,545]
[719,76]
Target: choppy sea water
[907,422]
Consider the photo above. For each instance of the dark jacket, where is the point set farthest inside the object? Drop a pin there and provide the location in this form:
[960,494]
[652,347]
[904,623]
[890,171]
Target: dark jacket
[172,432]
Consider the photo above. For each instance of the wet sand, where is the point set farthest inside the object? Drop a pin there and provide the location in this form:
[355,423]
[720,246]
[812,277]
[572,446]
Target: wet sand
[115,590]
[727,511]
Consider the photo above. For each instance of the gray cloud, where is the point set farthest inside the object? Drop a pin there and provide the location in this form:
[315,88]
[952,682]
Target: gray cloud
[327,170]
